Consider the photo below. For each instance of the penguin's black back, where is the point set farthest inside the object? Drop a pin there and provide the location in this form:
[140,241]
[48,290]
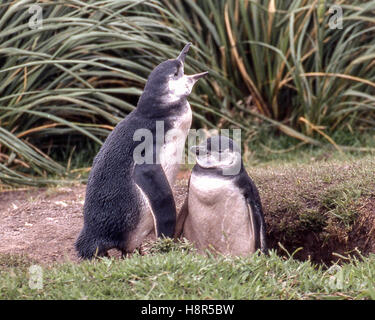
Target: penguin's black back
[112,203]
[109,209]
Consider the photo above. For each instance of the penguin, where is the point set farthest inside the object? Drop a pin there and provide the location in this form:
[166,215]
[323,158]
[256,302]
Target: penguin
[129,201]
[223,210]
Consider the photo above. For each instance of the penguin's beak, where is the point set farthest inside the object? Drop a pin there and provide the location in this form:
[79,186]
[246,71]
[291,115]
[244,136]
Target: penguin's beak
[181,57]
[197,76]
[198,150]
[194,149]
[183,53]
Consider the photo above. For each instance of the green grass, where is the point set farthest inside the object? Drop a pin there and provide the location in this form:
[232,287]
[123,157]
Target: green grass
[269,148]
[183,274]
[303,199]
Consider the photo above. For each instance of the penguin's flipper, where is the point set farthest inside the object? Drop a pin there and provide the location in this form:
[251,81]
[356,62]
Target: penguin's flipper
[258,224]
[151,179]
[182,214]
[181,217]
[257,211]
[251,194]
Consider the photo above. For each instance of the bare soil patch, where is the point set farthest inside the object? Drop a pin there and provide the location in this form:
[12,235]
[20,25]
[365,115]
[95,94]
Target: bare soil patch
[43,224]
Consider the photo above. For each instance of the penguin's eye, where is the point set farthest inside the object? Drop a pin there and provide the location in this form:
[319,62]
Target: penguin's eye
[176,73]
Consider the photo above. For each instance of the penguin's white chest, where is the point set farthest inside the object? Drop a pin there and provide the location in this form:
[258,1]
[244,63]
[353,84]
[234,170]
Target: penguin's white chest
[219,216]
[172,151]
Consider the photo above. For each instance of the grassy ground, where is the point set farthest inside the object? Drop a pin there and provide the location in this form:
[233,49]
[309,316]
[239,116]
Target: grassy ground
[319,208]
[174,271]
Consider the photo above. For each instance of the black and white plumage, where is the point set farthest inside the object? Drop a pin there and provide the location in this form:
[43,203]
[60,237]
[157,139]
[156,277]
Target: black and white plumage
[223,210]
[128,202]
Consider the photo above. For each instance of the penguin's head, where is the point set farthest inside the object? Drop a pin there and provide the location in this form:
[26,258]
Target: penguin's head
[168,80]
[219,152]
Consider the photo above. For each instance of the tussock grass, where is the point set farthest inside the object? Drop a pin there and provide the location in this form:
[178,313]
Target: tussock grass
[293,70]
[273,64]
[66,85]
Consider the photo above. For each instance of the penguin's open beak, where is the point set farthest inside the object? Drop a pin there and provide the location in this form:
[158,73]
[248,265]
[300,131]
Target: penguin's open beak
[183,53]
[182,56]
[197,76]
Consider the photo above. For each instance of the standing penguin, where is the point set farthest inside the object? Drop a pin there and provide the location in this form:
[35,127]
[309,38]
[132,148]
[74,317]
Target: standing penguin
[128,202]
[223,210]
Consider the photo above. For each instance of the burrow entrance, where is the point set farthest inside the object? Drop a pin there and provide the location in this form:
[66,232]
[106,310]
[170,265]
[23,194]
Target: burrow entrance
[321,242]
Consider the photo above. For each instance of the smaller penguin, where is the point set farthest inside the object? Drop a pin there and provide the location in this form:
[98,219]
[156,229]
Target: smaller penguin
[223,210]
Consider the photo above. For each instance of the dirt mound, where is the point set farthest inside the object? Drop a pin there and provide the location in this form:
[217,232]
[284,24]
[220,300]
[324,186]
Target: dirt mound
[323,209]
[327,243]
